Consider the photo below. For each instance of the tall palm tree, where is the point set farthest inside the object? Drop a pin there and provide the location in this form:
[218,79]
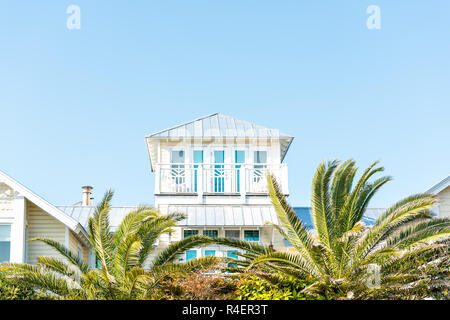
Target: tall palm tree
[341,251]
[121,255]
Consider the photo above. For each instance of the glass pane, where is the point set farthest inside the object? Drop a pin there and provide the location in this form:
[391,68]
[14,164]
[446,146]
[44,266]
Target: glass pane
[232,254]
[191,254]
[219,157]
[211,233]
[210,253]
[188,233]
[239,157]
[232,234]
[251,235]
[5,244]
[260,157]
[177,157]
[198,156]
[5,232]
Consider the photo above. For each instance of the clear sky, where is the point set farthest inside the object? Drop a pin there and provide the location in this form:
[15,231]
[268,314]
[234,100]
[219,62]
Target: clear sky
[75,105]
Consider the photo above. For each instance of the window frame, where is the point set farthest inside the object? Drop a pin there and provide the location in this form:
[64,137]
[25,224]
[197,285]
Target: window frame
[10,232]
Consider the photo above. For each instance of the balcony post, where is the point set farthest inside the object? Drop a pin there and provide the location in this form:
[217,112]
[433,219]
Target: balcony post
[157,178]
[200,183]
[242,180]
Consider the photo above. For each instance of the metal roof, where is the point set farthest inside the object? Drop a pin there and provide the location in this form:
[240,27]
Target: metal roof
[210,215]
[82,214]
[195,215]
[225,216]
[369,218]
[440,186]
[221,126]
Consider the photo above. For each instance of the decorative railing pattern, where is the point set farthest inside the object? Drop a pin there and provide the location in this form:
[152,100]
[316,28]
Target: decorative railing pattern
[218,178]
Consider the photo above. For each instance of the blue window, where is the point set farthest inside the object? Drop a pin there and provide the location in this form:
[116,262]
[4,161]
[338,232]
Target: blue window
[198,158]
[251,235]
[5,242]
[177,170]
[211,233]
[260,157]
[239,157]
[188,233]
[232,254]
[191,254]
[219,172]
[210,253]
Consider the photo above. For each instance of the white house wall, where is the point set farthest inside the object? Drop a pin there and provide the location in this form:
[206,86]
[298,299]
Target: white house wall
[41,224]
[444,203]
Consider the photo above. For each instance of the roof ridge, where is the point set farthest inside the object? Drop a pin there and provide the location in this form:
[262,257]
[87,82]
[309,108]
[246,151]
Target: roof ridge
[183,124]
[252,124]
[441,185]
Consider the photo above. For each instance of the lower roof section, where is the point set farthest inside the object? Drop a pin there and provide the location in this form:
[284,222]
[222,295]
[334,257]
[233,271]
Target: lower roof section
[225,216]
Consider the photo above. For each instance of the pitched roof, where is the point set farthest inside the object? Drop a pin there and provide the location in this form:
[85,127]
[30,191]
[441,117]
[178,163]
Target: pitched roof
[68,221]
[225,216]
[83,213]
[221,126]
[369,218]
[443,184]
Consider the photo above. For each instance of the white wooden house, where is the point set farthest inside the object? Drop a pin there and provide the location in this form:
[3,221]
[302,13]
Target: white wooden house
[442,191]
[212,169]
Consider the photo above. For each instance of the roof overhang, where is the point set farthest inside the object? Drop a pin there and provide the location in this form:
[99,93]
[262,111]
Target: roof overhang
[442,185]
[225,216]
[72,224]
[218,127]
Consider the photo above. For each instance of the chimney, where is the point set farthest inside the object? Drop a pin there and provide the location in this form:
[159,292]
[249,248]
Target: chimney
[86,195]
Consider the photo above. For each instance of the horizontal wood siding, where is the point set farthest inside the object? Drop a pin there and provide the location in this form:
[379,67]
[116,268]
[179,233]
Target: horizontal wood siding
[74,243]
[444,203]
[41,224]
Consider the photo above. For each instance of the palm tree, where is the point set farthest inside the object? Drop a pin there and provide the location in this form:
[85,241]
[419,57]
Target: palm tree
[341,251]
[121,255]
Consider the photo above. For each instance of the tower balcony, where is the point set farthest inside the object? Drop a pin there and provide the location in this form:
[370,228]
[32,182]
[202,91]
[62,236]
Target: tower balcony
[218,179]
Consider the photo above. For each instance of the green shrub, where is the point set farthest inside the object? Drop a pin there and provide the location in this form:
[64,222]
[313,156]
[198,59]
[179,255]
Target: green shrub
[11,290]
[254,288]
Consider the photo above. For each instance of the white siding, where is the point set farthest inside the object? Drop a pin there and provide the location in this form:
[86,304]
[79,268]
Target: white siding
[444,203]
[74,244]
[41,224]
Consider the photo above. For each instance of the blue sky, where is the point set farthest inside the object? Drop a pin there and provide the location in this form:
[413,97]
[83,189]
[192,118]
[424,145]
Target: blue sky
[75,105]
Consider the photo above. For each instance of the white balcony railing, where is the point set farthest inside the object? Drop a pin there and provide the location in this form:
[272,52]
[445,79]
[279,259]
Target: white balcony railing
[218,178]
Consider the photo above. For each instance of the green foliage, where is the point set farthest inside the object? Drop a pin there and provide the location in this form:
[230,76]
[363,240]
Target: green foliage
[13,290]
[341,250]
[122,255]
[254,288]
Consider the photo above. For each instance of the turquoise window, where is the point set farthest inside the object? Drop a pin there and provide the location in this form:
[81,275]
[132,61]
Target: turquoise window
[211,233]
[210,253]
[251,235]
[219,173]
[191,254]
[232,254]
[239,157]
[260,157]
[188,233]
[198,158]
[5,242]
